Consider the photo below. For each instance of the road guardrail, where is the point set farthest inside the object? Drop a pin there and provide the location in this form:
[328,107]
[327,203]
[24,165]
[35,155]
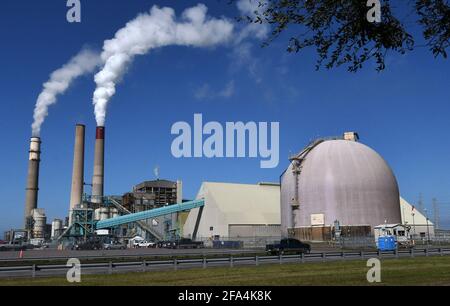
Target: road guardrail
[231,261]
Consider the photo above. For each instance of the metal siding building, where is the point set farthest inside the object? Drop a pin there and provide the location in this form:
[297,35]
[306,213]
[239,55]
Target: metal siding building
[237,210]
[417,220]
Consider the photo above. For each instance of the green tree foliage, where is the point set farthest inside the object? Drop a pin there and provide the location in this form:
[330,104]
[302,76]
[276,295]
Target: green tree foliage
[341,34]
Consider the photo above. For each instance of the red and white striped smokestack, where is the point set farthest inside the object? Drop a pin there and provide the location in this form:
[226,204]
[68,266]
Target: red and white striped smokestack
[33,177]
[76,195]
[99,160]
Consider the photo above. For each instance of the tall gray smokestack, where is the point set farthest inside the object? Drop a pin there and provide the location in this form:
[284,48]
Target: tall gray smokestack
[99,158]
[33,177]
[76,195]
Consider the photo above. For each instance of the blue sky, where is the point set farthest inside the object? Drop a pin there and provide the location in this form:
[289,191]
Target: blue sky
[402,113]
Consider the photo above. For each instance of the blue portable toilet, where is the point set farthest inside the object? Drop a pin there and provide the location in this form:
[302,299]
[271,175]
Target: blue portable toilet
[387,243]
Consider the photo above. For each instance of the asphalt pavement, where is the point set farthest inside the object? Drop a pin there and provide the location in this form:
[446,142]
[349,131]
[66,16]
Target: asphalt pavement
[49,254]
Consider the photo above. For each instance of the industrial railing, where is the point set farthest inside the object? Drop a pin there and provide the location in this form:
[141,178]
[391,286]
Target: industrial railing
[104,256]
[175,264]
[141,223]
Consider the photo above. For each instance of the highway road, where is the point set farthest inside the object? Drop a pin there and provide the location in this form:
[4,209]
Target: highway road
[223,261]
[49,254]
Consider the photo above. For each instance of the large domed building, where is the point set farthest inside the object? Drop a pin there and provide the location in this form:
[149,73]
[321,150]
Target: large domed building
[337,186]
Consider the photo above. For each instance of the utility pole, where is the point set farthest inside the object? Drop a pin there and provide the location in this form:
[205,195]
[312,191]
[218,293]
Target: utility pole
[413,213]
[436,213]
[428,227]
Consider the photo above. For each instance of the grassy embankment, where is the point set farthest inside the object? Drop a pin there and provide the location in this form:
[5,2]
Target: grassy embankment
[410,271]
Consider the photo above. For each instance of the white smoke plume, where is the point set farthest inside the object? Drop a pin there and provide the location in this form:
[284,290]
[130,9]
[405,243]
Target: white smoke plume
[250,8]
[155,29]
[60,80]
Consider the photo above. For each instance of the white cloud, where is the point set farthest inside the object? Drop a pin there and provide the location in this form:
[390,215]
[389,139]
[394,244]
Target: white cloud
[251,8]
[205,92]
[228,91]
[243,58]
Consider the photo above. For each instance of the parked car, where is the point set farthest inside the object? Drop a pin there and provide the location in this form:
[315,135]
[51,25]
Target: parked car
[166,244]
[186,243]
[89,245]
[114,245]
[145,244]
[135,242]
[14,246]
[288,245]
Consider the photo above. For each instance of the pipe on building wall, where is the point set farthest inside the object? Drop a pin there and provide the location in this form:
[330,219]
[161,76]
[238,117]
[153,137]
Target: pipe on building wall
[32,189]
[179,191]
[99,160]
[76,195]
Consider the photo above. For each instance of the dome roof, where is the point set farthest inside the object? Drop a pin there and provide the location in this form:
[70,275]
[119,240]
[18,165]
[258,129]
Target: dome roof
[345,181]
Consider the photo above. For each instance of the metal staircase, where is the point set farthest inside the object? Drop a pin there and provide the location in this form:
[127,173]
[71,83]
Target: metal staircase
[149,214]
[85,225]
[297,165]
[142,224]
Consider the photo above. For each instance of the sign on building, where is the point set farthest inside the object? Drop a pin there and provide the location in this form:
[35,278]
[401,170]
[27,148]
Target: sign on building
[317,219]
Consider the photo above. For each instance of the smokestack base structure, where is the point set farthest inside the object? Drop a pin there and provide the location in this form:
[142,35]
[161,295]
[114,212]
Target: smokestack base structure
[76,196]
[32,189]
[99,160]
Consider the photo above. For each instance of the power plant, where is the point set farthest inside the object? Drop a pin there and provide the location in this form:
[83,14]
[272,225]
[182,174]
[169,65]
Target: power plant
[335,187]
[160,199]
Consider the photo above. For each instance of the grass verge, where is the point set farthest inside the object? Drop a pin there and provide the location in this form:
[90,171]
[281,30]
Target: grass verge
[411,271]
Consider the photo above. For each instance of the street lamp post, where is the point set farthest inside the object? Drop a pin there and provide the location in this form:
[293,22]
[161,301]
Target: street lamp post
[413,213]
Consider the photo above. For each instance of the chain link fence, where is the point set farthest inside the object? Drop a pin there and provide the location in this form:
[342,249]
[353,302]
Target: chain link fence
[347,243]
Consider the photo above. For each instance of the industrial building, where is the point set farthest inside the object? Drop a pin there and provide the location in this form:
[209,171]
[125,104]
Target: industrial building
[334,187]
[420,225]
[340,187]
[151,195]
[236,211]
[149,208]
[337,184]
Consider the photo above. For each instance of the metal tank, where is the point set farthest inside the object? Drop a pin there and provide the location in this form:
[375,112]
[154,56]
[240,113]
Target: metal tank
[40,222]
[104,213]
[97,214]
[113,212]
[337,185]
[57,228]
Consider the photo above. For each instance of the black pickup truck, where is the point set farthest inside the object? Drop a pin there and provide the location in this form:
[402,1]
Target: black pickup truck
[88,245]
[288,245]
[185,243]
